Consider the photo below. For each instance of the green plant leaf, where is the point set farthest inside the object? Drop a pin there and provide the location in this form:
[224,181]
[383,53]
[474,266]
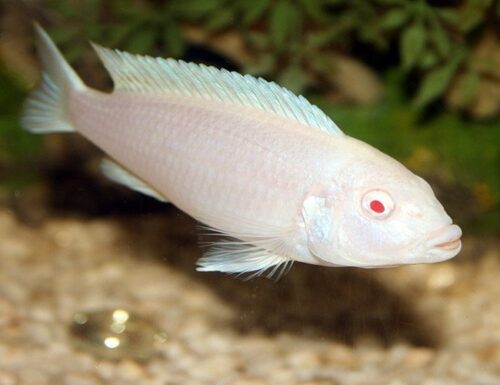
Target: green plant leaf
[324,36]
[67,9]
[449,15]
[282,21]
[427,60]
[323,65]
[392,2]
[473,14]
[433,85]
[263,65]
[370,33]
[394,18]
[314,9]
[293,78]
[92,9]
[412,43]
[195,9]
[468,85]
[62,34]
[253,10]
[118,33]
[174,39]
[220,20]
[16,145]
[125,9]
[142,42]
[440,40]
[258,39]
[436,82]
[73,53]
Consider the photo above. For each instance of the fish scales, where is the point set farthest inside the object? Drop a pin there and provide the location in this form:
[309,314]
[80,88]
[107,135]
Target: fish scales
[203,159]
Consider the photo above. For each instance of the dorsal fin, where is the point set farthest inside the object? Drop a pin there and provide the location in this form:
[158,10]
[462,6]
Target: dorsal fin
[135,73]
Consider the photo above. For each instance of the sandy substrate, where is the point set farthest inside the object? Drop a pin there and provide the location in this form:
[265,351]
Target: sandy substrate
[426,325]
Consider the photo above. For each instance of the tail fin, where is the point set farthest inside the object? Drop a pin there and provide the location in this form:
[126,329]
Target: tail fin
[46,108]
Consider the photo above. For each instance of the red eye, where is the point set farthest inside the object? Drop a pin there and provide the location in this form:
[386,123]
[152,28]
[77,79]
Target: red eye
[377,206]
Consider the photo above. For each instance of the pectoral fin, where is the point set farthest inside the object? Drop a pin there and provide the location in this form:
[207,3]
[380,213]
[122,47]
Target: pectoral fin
[244,259]
[317,218]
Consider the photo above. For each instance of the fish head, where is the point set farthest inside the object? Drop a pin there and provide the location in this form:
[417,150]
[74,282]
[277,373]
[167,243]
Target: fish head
[396,222]
[380,215]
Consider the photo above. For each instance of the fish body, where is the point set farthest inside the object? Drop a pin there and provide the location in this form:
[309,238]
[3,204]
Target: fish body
[249,160]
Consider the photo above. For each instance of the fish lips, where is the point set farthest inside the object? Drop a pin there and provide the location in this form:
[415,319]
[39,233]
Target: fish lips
[444,243]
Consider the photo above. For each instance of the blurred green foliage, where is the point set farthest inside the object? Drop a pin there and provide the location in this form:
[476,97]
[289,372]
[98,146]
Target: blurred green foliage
[290,36]
[17,147]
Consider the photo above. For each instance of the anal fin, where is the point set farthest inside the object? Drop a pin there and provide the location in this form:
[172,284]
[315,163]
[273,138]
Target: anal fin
[116,173]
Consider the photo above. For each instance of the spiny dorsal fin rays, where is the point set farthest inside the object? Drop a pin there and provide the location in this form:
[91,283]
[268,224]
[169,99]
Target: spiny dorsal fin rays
[135,73]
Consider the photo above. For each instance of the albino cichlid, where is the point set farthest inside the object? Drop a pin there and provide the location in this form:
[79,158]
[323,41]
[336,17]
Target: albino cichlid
[250,160]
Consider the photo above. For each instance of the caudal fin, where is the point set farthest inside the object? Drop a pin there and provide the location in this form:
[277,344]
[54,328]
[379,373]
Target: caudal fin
[46,108]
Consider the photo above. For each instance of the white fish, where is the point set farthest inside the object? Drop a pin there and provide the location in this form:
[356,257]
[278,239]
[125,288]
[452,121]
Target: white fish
[248,159]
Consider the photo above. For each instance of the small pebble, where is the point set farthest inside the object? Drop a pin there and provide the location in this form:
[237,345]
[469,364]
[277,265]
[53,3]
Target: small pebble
[418,357]
[81,379]
[304,359]
[340,356]
[491,354]
[442,276]
[249,381]
[7,378]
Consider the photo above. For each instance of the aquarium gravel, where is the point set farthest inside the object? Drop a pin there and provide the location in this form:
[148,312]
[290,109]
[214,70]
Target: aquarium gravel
[430,325]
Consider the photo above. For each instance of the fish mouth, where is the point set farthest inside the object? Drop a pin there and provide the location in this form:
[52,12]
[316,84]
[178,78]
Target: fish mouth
[451,245]
[444,243]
